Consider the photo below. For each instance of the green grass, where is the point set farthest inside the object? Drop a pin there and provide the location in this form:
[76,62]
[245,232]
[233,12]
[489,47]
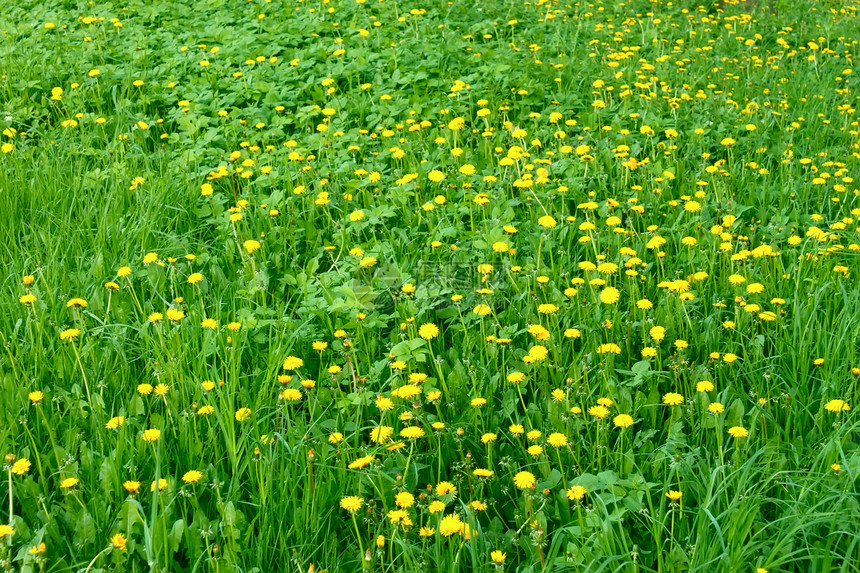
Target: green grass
[302,184]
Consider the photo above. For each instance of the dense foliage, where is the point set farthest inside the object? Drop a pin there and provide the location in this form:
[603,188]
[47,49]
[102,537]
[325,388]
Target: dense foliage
[455,286]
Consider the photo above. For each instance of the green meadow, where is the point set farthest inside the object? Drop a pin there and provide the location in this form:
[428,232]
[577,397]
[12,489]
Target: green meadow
[456,286]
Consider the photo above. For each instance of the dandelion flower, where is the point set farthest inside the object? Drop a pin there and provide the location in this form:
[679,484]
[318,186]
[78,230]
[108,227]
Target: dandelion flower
[21,466]
[836,406]
[450,525]
[609,295]
[738,432]
[361,462]
[428,331]
[576,493]
[351,503]
[412,432]
[192,476]
[118,542]
[404,499]
[151,435]
[69,483]
[599,411]
[524,480]
[70,334]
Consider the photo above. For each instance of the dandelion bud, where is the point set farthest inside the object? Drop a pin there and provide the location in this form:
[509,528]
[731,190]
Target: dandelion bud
[29,280]
[380,541]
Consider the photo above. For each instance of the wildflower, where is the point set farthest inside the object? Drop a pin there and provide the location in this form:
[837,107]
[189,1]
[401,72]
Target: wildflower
[674,495]
[131,486]
[6,530]
[716,408]
[70,334]
[482,310]
[151,435]
[444,488]
[704,386]
[547,222]
[428,331]
[436,507]
[291,395]
[576,493]
[738,432]
[557,440]
[412,432]
[251,245]
[516,377]
[36,397]
[450,525]
[351,503]
[524,480]
[27,299]
[243,414]
[69,483]
[623,420]
[498,556]
[673,399]
[192,476]
[293,363]
[361,462]
[115,423]
[118,542]
[175,315]
[21,466]
[599,411]
[836,406]
[609,295]
[404,499]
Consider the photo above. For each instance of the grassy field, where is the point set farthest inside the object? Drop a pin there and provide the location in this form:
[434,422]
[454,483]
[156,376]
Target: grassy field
[458,286]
